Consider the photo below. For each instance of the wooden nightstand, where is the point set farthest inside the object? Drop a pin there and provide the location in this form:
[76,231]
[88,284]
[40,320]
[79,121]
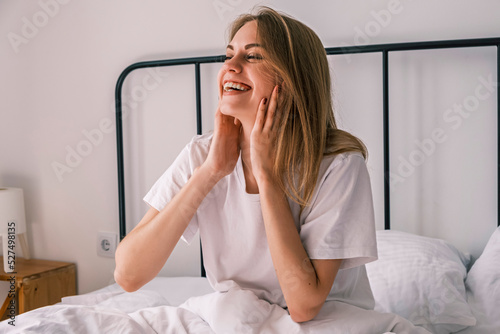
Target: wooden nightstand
[38,283]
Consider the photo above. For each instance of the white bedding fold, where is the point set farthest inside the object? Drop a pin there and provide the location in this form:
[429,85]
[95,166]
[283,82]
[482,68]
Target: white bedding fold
[235,311]
[240,311]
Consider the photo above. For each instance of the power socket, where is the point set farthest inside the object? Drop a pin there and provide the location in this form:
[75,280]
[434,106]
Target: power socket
[106,244]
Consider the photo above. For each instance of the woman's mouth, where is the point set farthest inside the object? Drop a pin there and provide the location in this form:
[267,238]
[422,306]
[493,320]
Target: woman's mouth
[230,86]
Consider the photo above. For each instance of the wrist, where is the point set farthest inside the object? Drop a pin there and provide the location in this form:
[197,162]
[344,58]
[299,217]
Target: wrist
[208,174]
[266,181]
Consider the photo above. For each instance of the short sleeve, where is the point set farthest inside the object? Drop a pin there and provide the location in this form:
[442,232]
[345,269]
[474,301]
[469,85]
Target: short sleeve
[340,221]
[176,176]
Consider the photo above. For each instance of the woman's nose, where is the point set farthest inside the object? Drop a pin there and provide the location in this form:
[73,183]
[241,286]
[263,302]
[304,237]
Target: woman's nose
[233,65]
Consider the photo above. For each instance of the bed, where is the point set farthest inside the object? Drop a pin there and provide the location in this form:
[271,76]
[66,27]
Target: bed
[421,284]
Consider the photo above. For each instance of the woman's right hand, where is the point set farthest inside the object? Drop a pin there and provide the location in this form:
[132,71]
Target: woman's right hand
[224,150]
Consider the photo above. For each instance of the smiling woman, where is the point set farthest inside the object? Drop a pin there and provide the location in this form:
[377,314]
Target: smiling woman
[280,196]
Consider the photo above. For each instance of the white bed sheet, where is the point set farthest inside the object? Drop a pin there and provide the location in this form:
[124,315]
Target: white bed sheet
[172,289]
[188,305]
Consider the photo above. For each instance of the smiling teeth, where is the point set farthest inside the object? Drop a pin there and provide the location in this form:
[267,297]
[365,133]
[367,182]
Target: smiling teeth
[228,86]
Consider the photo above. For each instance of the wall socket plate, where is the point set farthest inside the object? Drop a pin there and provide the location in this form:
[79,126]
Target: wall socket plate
[106,244]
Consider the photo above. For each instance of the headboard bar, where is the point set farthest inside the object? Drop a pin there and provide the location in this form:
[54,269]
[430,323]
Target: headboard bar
[383,48]
[498,135]
[385,116]
[412,46]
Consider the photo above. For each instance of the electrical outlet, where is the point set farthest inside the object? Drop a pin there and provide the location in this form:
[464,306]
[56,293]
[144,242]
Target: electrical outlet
[106,244]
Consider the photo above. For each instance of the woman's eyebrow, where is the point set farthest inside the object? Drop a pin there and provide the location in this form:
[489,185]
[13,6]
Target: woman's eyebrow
[248,46]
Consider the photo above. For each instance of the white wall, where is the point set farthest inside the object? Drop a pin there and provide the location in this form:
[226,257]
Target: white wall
[58,84]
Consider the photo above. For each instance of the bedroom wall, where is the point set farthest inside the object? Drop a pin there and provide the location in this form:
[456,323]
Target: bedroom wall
[60,59]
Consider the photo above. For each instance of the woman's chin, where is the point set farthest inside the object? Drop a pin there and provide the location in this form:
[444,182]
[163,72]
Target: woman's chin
[225,110]
[232,111]
[244,114]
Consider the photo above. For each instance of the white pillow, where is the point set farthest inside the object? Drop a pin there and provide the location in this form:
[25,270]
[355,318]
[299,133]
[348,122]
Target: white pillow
[422,280]
[483,288]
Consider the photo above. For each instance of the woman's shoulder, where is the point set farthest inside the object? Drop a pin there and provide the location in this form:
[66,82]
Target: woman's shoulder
[203,140]
[346,165]
[340,160]
[200,143]
[196,150]
[340,172]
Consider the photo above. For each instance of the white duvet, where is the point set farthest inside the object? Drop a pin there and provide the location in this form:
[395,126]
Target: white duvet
[158,308]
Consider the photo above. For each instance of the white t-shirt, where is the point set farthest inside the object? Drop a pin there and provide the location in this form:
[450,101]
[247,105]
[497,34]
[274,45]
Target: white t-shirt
[339,224]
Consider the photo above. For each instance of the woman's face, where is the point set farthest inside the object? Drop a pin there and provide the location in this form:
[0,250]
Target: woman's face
[244,80]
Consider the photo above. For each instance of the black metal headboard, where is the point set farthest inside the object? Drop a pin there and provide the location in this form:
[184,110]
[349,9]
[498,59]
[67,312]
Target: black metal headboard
[379,48]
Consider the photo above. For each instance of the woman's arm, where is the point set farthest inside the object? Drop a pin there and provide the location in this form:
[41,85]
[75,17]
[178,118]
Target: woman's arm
[143,252]
[305,283]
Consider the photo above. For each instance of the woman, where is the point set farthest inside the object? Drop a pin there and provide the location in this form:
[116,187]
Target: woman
[281,197]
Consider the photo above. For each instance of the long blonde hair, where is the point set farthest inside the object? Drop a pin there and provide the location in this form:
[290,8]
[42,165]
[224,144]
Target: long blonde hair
[307,130]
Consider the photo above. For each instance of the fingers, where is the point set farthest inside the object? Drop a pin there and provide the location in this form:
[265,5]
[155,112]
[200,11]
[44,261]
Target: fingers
[271,110]
[266,112]
[261,115]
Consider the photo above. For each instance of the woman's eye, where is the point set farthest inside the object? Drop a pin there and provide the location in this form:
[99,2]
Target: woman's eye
[254,57]
[250,57]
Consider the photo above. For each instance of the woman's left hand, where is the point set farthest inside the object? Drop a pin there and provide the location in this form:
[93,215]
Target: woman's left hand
[262,139]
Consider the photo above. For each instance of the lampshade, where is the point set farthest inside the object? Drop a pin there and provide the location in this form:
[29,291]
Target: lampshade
[12,223]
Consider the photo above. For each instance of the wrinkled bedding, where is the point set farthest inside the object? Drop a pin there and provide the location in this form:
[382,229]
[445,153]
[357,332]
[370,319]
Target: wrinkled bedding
[159,308]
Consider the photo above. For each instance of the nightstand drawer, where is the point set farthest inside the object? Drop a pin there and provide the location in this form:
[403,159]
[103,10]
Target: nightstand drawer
[39,283]
[47,288]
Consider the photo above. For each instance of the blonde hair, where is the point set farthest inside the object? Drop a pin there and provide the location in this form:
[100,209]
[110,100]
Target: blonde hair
[307,130]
